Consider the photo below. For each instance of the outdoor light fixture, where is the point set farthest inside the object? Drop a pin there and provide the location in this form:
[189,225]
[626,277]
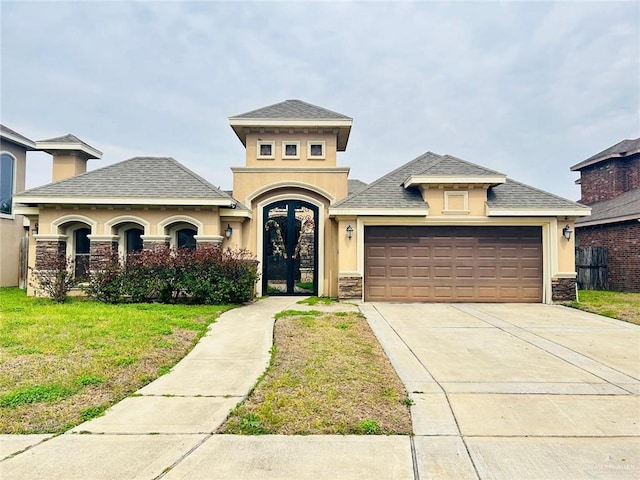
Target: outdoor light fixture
[566,232]
[349,232]
[34,230]
[228,231]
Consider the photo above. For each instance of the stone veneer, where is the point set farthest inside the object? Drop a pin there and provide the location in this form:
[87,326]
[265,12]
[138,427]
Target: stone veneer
[350,287]
[100,253]
[563,289]
[46,248]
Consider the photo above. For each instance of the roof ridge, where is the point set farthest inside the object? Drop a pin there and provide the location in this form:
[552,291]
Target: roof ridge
[473,164]
[380,179]
[195,175]
[545,192]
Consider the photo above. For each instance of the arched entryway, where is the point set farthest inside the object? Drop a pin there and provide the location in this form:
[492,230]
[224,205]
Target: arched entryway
[290,248]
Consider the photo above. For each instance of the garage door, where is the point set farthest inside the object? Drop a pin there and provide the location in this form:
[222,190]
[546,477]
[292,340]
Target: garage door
[453,264]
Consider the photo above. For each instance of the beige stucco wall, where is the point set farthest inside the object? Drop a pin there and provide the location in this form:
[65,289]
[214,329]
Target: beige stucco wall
[68,164]
[566,249]
[12,227]
[435,197]
[329,159]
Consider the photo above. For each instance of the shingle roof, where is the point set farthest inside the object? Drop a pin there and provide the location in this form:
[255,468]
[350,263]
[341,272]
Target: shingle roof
[138,177]
[513,194]
[623,207]
[68,142]
[355,186]
[389,192]
[293,110]
[68,138]
[12,135]
[623,149]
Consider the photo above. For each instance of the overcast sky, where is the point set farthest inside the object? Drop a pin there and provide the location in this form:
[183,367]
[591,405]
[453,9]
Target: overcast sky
[525,88]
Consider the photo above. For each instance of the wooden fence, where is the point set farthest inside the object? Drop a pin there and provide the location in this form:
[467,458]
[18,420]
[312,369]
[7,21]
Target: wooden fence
[591,267]
[24,252]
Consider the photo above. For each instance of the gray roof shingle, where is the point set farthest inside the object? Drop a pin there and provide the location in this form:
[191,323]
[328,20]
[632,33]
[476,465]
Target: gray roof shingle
[355,186]
[293,110]
[389,192]
[623,207]
[138,177]
[620,150]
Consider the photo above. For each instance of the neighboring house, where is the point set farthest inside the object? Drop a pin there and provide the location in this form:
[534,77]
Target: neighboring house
[13,227]
[610,185]
[436,229]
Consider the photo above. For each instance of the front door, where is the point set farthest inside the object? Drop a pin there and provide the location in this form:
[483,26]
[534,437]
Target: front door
[290,257]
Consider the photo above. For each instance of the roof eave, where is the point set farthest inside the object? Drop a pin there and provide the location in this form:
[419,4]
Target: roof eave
[435,180]
[21,141]
[606,221]
[51,147]
[587,163]
[343,125]
[379,212]
[536,212]
[27,201]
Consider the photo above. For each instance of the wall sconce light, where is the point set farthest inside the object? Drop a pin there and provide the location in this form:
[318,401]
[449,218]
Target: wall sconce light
[349,232]
[566,232]
[228,231]
[35,228]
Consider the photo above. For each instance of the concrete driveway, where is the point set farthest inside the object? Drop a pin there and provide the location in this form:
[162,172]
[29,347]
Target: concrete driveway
[516,391]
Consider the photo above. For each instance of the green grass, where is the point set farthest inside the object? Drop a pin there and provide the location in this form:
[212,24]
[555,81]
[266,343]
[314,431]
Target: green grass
[317,300]
[621,305]
[328,375]
[61,364]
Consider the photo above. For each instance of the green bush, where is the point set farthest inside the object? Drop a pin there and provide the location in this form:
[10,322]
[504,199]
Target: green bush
[207,275]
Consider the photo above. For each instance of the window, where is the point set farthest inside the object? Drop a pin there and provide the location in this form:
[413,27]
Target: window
[315,150]
[290,149]
[81,253]
[266,149]
[186,238]
[133,240]
[7,169]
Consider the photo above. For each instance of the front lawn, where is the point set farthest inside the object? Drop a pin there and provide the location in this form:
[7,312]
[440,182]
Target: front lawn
[621,305]
[328,375]
[61,364]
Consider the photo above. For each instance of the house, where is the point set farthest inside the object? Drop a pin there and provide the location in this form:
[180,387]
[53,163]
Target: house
[435,229]
[13,227]
[610,185]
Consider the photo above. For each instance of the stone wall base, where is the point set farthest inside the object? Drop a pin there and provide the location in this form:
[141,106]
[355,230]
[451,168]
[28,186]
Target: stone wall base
[350,287]
[563,289]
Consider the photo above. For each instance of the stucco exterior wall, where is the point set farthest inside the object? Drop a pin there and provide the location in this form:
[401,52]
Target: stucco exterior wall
[304,159]
[437,197]
[12,227]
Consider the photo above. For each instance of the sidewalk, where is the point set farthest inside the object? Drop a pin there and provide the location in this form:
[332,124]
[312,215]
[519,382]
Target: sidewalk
[166,431]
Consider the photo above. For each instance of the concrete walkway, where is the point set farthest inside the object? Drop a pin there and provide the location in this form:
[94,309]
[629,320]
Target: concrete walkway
[166,431]
[500,391]
[516,391]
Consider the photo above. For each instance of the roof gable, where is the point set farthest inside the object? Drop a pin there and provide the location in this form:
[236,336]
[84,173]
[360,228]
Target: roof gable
[623,149]
[136,180]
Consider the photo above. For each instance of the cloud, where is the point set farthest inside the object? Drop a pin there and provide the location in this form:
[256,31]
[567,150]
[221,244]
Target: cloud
[525,88]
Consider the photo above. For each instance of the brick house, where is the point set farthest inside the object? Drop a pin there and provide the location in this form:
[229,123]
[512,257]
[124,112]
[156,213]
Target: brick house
[610,185]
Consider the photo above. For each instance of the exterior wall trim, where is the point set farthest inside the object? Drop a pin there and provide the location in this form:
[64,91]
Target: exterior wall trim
[126,219]
[25,200]
[290,184]
[538,212]
[58,222]
[178,219]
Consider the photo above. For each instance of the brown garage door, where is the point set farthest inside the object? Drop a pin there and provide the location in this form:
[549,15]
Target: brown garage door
[453,264]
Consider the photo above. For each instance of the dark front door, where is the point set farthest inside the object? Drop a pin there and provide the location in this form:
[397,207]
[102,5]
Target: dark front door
[290,248]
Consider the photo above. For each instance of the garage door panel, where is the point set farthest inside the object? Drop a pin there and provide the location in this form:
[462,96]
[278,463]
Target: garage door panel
[445,264]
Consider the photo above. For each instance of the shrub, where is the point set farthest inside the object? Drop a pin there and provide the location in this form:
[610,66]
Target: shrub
[54,276]
[207,275]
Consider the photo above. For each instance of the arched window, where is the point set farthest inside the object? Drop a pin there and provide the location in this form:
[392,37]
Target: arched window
[81,252]
[133,240]
[185,238]
[7,171]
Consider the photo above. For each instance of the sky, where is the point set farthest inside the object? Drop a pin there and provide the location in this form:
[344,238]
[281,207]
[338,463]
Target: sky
[525,88]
